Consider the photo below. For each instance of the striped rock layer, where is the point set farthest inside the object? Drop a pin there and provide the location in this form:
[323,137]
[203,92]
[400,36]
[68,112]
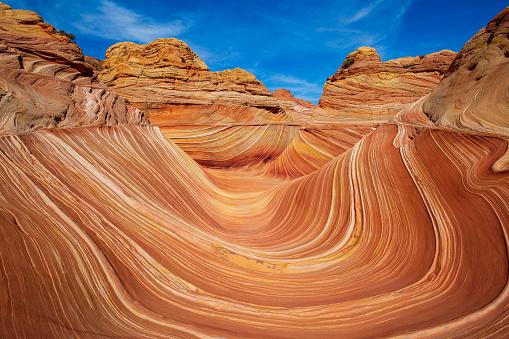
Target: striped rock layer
[366,86]
[299,110]
[114,228]
[473,95]
[166,79]
[46,82]
[150,244]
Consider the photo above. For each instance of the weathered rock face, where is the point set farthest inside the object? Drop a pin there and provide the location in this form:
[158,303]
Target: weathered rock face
[298,110]
[365,85]
[474,92]
[168,80]
[96,64]
[47,83]
[285,95]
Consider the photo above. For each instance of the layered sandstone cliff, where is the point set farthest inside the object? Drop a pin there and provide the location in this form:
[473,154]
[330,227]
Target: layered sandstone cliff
[474,92]
[283,94]
[169,81]
[299,110]
[46,82]
[95,63]
[365,85]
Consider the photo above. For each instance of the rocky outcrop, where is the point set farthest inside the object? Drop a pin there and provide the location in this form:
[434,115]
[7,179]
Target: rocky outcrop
[474,92]
[365,85]
[118,233]
[299,110]
[46,82]
[168,80]
[283,94]
[96,64]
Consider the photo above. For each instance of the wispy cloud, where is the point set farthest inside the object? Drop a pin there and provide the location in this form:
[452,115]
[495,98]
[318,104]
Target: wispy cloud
[299,87]
[112,21]
[381,20]
[362,13]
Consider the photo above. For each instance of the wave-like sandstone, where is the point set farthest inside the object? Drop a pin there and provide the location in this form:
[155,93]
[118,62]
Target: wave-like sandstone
[110,227]
[299,110]
[365,85]
[148,245]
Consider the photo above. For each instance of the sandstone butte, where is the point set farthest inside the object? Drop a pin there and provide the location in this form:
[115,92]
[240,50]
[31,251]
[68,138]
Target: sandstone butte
[286,95]
[366,86]
[166,79]
[114,227]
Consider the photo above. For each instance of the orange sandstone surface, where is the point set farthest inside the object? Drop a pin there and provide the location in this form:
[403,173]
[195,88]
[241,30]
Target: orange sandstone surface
[46,82]
[366,87]
[237,213]
[166,79]
[474,93]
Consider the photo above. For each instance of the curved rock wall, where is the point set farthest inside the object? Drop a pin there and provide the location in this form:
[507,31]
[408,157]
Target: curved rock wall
[473,95]
[366,86]
[46,82]
[109,228]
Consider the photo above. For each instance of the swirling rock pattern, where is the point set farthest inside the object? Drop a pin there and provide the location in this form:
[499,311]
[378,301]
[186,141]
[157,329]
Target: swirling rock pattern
[366,86]
[392,245]
[286,95]
[274,150]
[283,230]
[299,110]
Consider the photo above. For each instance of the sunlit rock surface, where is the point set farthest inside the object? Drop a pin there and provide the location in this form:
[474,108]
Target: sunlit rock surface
[474,94]
[166,79]
[46,82]
[366,87]
[115,228]
[299,110]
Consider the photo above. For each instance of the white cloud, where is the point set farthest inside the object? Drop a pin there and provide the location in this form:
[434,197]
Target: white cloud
[381,20]
[112,21]
[362,13]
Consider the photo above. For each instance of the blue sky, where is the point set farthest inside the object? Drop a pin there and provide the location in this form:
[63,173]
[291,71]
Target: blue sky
[286,44]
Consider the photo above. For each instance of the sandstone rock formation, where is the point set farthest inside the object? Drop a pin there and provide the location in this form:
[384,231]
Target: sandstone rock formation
[166,79]
[176,251]
[298,110]
[46,82]
[108,228]
[285,95]
[96,64]
[474,92]
[365,85]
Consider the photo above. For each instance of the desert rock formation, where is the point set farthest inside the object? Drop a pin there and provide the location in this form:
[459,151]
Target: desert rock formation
[474,93]
[285,95]
[110,227]
[365,85]
[47,83]
[299,110]
[166,79]
[96,64]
